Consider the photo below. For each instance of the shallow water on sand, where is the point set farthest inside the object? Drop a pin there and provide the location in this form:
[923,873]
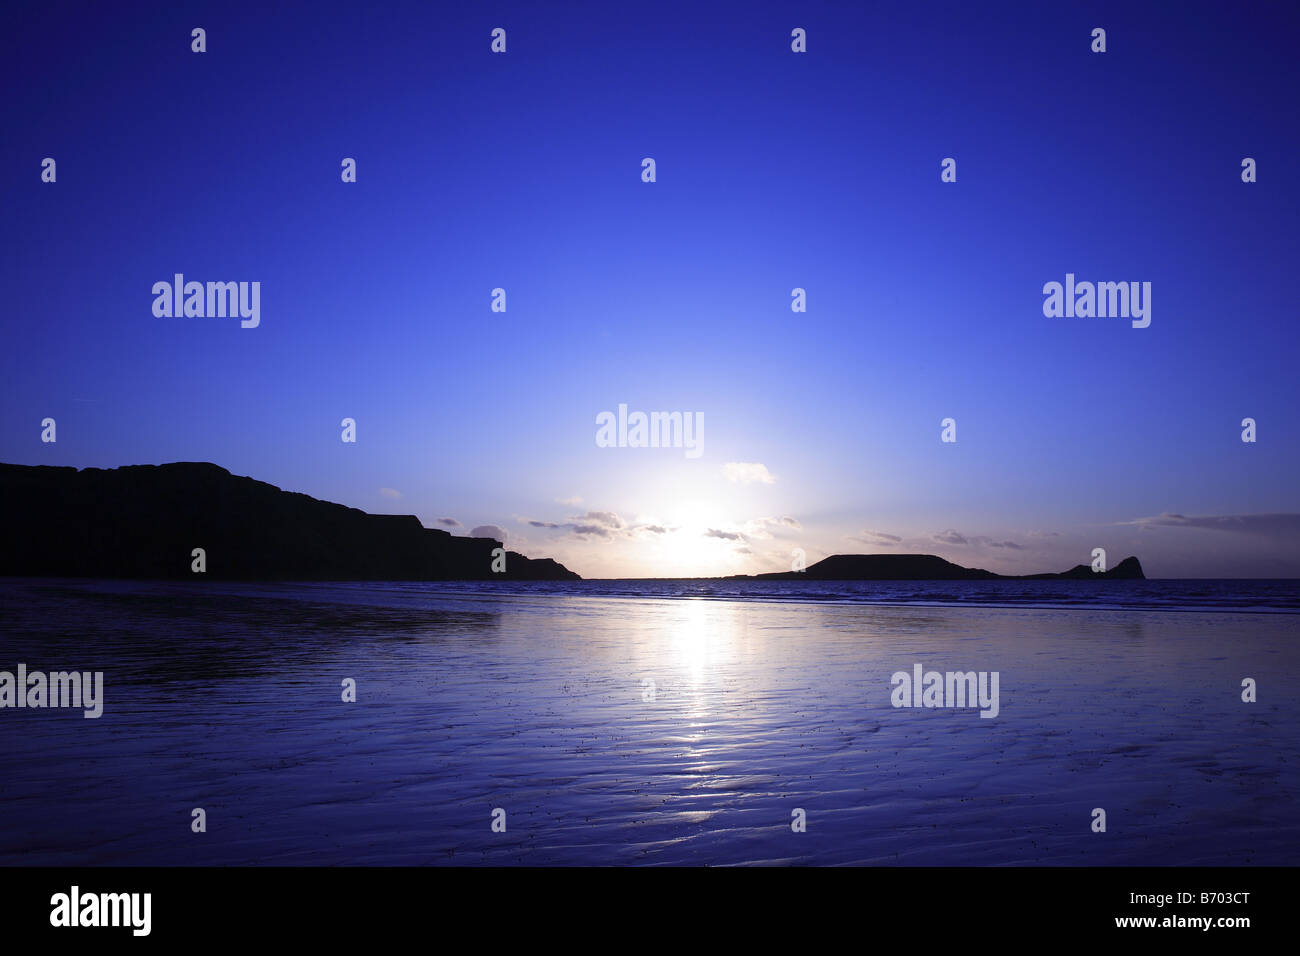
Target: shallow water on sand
[227,697]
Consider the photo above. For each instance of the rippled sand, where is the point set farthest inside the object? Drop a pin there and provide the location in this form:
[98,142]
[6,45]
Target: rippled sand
[227,697]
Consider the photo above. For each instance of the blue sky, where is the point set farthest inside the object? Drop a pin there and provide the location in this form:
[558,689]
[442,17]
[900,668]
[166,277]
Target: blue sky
[775,170]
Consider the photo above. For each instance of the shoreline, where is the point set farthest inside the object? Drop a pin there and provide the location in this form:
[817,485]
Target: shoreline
[591,590]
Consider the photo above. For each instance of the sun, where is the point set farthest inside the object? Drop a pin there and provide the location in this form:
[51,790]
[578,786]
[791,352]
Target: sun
[699,541]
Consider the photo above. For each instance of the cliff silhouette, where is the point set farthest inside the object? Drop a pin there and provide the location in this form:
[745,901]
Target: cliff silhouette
[930,567]
[143,521]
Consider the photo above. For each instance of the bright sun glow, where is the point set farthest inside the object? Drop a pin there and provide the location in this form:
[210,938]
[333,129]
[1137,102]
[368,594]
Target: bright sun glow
[690,549]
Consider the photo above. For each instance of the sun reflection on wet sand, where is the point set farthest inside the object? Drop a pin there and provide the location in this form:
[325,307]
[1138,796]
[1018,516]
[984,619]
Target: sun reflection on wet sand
[537,704]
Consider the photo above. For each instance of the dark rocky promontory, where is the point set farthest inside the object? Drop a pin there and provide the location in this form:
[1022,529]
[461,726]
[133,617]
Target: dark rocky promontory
[144,521]
[930,567]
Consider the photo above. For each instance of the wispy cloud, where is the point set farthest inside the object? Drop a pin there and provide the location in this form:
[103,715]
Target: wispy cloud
[605,525]
[607,519]
[949,537]
[764,528]
[748,472]
[390,492]
[1276,523]
[878,538]
[591,530]
[448,522]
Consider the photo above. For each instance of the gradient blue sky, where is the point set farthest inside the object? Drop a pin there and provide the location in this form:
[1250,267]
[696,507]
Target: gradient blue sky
[775,170]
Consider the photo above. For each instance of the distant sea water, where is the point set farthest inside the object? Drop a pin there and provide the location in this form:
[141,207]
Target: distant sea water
[652,723]
[1280,595]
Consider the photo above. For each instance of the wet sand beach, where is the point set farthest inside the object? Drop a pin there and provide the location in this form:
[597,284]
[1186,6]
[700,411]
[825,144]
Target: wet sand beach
[637,730]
